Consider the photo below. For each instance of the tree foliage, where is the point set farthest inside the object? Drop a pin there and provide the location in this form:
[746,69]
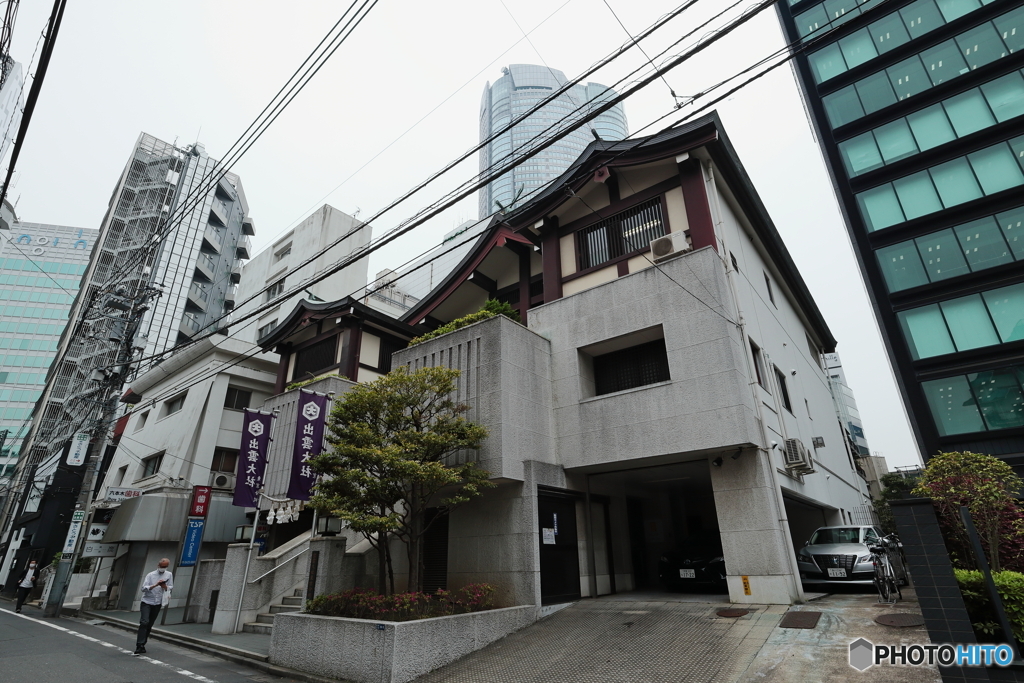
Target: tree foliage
[988,487]
[396,443]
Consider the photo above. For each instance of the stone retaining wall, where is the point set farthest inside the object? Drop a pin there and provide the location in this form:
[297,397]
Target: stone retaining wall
[366,651]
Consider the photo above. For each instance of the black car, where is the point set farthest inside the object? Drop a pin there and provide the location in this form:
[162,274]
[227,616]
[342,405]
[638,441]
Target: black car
[695,561]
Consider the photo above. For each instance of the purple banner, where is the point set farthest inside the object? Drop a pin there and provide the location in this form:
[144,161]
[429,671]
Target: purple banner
[252,457]
[309,442]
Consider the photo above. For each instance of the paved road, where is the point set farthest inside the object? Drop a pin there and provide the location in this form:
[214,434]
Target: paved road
[38,650]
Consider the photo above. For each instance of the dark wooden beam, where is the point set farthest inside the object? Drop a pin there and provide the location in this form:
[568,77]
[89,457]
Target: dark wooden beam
[698,208]
[483,282]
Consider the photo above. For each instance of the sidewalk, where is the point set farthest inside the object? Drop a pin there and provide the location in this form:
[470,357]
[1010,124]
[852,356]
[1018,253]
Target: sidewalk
[822,653]
[254,646]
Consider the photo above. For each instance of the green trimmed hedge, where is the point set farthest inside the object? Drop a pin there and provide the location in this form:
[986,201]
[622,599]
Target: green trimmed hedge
[490,309]
[983,615]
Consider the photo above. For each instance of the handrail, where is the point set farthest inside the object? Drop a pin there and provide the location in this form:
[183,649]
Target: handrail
[278,566]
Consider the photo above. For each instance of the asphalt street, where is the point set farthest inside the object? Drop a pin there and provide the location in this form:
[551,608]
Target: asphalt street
[38,650]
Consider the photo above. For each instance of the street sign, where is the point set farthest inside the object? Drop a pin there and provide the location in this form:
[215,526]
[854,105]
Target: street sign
[99,549]
[79,446]
[200,501]
[78,516]
[72,538]
[117,495]
[193,541]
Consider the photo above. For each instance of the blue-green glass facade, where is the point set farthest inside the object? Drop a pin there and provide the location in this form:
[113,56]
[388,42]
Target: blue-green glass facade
[919,107]
[41,267]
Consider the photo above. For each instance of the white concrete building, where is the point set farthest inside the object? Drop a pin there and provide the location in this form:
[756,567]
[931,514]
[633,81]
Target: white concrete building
[651,399]
[278,268]
[184,430]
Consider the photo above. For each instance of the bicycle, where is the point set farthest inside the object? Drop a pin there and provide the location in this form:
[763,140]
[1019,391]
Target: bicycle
[885,580]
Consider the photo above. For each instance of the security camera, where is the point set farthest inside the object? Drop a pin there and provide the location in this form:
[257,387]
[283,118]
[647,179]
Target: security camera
[775,444]
[793,371]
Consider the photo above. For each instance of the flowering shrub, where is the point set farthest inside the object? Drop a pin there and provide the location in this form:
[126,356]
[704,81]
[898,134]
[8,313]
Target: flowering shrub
[364,603]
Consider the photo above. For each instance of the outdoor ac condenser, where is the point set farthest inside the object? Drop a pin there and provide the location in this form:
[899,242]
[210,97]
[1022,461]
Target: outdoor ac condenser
[222,480]
[797,456]
[670,245]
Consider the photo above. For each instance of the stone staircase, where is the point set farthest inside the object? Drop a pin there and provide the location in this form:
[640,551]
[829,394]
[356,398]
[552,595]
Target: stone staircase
[265,621]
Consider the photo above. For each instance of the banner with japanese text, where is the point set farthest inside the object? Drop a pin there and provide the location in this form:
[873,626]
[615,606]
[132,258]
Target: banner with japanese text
[252,457]
[309,442]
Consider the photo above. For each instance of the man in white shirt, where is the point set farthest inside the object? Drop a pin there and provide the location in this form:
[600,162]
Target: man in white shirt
[153,587]
[26,582]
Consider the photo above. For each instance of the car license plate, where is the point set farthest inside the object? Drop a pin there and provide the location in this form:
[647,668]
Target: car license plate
[837,573]
[687,574]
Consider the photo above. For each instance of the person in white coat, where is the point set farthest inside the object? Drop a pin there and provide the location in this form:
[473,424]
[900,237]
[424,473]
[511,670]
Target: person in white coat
[154,587]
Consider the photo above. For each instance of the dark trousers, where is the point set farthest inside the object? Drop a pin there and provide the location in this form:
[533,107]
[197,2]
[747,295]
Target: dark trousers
[22,595]
[146,621]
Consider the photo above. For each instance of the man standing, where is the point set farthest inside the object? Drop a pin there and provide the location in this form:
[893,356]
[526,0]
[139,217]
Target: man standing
[26,582]
[153,588]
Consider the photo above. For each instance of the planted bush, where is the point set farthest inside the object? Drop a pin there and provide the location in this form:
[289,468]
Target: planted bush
[983,614]
[364,603]
[490,309]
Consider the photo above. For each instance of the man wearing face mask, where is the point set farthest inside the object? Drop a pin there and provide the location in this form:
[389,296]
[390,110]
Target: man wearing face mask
[153,588]
[26,582]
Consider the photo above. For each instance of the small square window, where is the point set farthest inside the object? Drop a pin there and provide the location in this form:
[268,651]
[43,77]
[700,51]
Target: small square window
[273,291]
[141,422]
[771,293]
[151,465]
[237,399]
[224,460]
[175,404]
[755,351]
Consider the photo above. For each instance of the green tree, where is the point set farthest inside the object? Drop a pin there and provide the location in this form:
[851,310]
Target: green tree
[988,487]
[396,446]
[894,486]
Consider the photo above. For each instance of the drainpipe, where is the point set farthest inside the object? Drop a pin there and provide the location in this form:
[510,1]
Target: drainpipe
[796,586]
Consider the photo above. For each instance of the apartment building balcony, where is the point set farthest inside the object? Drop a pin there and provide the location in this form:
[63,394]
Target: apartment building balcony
[213,240]
[189,324]
[236,275]
[199,296]
[229,297]
[219,213]
[244,247]
[206,267]
[248,226]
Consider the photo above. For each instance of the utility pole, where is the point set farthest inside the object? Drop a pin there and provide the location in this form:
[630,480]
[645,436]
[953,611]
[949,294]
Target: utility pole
[124,313]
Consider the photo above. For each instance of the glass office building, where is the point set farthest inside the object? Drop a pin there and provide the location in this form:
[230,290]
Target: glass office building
[41,267]
[919,107]
[520,89]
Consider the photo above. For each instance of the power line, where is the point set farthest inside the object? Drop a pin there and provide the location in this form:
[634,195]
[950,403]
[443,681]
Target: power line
[672,92]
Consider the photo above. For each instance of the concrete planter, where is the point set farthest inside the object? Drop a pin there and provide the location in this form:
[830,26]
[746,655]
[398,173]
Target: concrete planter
[386,651]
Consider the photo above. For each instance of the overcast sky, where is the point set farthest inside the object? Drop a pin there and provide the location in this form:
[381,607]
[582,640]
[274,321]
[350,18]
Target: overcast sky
[192,70]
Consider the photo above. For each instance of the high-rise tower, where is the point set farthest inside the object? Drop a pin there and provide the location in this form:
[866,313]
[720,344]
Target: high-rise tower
[522,86]
[918,106]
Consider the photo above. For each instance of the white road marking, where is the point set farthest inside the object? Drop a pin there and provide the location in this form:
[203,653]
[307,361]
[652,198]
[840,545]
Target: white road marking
[157,662]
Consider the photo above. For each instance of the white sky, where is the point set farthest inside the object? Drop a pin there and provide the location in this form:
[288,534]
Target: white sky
[191,69]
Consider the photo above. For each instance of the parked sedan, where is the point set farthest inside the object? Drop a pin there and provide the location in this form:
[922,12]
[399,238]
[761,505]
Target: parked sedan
[839,554]
[695,561]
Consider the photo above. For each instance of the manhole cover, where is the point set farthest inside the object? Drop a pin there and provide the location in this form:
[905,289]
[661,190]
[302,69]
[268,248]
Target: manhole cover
[732,613]
[800,620]
[900,620]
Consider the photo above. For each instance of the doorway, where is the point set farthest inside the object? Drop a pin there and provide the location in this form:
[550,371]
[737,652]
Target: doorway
[559,548]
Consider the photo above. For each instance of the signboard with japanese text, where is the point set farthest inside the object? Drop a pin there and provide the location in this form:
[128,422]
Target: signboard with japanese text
[71,540]
[200,505]
[309,442]
[79,447]
[99,549]
[252,457]
[193,541]
[118,495]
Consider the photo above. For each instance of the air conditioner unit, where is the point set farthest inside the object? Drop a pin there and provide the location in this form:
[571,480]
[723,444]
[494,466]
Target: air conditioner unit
[222,480]
[797,456]
[670,245]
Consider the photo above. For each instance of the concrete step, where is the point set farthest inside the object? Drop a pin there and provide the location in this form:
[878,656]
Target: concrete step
[257,627]
[265,618]
[277,609]
[296,601]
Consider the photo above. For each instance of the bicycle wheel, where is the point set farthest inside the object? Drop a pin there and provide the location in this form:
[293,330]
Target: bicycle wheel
[881,584]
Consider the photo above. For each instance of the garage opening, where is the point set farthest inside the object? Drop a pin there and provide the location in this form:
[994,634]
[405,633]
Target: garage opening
[662,528]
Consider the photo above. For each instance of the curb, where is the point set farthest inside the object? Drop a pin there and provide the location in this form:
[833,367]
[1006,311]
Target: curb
[232,654]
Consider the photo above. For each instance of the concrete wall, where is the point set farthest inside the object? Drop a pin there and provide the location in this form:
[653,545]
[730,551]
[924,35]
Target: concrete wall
[366,651]
[208,580]
[506,380]
[705,406]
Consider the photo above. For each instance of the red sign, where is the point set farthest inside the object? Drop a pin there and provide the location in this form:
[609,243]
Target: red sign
[200,501]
